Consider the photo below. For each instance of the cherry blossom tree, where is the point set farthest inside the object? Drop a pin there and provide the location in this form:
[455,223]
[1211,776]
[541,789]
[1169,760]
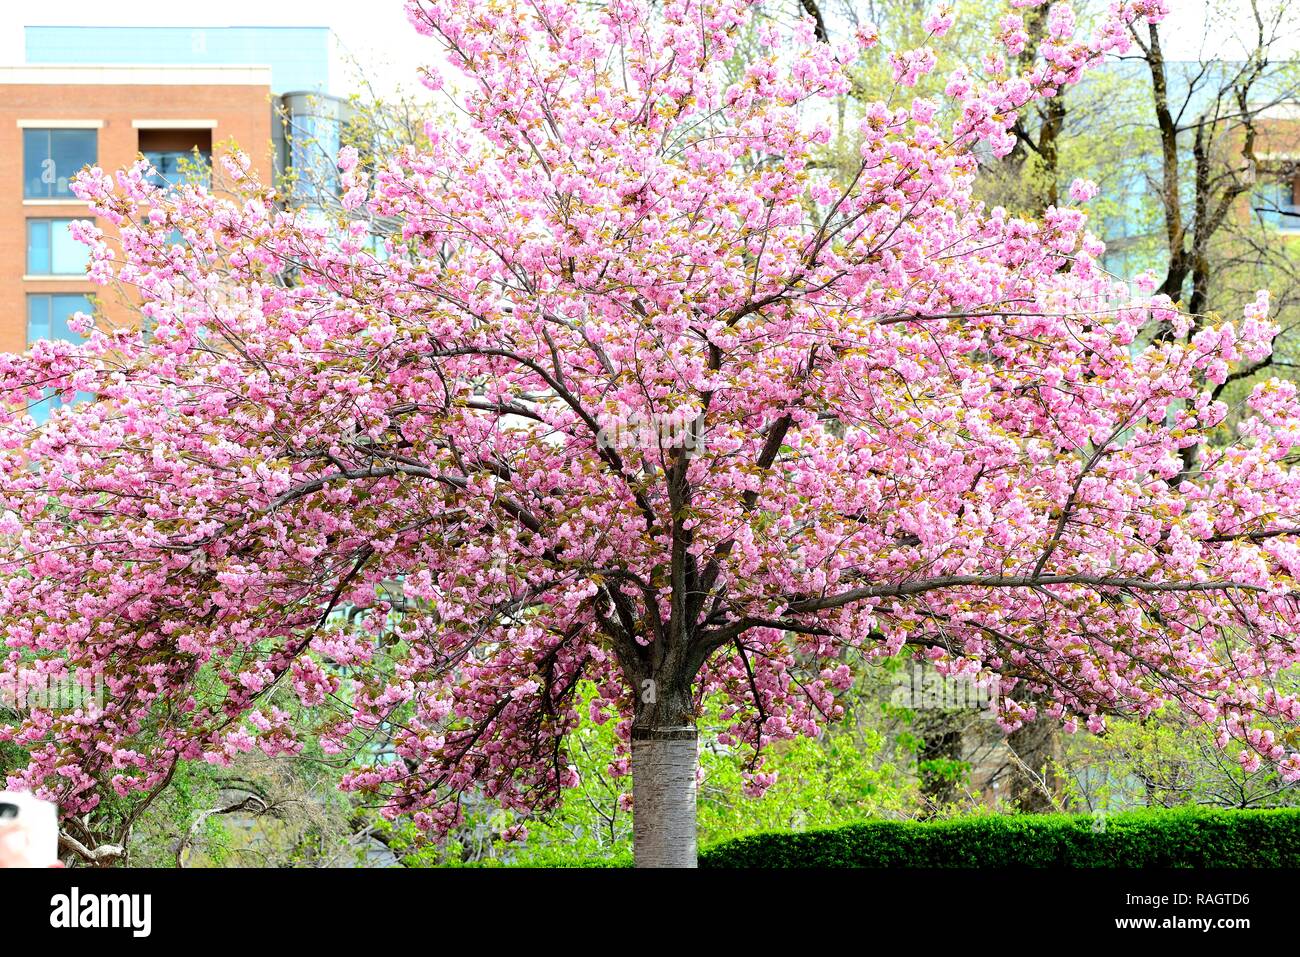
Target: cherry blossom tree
[641,397]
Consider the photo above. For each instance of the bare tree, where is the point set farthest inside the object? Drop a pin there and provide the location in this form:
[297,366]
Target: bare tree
[1208,115]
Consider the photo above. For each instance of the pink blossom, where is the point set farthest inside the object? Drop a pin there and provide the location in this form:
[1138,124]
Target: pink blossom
[1082,190]
[939,22]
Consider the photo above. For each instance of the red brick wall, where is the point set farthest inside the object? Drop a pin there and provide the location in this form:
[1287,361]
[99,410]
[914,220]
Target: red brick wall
[242,112]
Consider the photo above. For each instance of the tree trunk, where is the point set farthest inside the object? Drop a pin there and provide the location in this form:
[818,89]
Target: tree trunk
[665,756]
[1035,781]
[664,761]
[938,762]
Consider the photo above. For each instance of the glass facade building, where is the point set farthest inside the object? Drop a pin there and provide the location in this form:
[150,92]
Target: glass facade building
[308,134]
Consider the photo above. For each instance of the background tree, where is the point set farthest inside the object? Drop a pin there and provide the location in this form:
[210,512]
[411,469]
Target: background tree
[1163,761]
[1216,105]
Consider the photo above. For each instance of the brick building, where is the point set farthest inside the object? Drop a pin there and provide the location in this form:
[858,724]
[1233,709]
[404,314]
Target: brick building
[101,96]
[56,119]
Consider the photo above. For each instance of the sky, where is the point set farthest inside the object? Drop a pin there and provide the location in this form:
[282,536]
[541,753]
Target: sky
[374,32]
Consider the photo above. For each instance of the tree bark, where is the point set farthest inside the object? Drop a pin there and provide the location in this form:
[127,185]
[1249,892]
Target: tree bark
[664,762]
[944,747]
[1035,782]
[665,756]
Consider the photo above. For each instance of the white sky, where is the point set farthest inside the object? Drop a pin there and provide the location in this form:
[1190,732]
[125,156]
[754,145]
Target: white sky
[376,31]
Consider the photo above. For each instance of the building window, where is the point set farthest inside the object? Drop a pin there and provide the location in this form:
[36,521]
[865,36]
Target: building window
[51,158]
[51,250]
[48,315]
[1275,202]
[173,167]
[178,156]
[47,318]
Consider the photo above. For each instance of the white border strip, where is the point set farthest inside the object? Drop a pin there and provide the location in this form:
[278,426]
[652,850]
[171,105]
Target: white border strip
[174,124]
[61,124]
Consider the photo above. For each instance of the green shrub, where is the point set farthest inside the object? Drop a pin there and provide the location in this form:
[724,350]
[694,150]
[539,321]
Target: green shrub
[1185,837]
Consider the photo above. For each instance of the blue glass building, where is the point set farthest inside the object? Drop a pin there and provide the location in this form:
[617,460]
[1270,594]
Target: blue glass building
[299,57]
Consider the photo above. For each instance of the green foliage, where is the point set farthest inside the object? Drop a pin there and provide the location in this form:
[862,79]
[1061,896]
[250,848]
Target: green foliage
[158,838]
[852,771]
[12,757]
[1191,838]
[1165,761]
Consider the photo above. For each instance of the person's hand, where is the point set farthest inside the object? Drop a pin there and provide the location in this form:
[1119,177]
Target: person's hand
[15,846]
[29,831]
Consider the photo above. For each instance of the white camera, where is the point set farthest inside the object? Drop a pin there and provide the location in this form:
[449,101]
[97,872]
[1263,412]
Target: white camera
[29,831]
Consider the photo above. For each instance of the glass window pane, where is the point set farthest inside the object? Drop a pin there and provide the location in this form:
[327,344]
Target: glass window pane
[1274,204]
[36,150]
[38,318]
[61,310]
[47,317]
[314,144]
[38,247]
[51,158]
[69,257]
[174,167]
[70,150]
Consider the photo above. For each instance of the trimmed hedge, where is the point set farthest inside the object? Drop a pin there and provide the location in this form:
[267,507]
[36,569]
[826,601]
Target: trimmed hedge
[1184,837]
